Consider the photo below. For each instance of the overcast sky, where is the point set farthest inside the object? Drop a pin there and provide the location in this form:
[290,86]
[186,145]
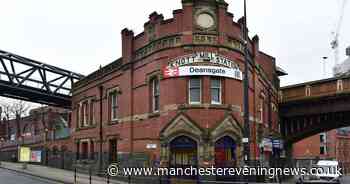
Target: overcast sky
[80,35]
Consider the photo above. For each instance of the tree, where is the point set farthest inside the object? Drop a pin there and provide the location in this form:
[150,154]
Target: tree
[15,109]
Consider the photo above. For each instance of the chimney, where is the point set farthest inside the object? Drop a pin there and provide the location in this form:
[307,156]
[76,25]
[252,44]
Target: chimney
[256,45]
[127,45]
[348,51]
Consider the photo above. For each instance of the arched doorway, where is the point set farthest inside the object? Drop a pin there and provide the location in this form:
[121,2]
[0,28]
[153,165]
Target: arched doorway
[183,151]
[225,156]
[183,154]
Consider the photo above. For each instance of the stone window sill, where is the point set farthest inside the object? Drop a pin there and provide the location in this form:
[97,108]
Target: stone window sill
[154,114]
[86,128]
[113,122]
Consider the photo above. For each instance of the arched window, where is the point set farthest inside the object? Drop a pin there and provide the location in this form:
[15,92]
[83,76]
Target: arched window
[113,102]
[340,85]
[27,130]
[308,91]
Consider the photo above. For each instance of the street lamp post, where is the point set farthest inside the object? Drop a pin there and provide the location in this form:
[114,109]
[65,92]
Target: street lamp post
[246,140]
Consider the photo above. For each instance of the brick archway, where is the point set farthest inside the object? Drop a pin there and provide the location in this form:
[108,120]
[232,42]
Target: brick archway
[229,127]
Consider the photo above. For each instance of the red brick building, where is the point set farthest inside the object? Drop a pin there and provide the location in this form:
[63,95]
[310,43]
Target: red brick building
[176,94]
[45,129]
[332,145]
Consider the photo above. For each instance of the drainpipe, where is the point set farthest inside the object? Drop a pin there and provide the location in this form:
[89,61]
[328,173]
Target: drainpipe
[132,109]
[100,158]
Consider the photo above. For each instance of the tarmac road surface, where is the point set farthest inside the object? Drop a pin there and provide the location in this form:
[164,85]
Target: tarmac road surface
[10,177]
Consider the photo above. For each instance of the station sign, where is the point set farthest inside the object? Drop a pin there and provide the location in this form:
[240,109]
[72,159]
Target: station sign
[202,63]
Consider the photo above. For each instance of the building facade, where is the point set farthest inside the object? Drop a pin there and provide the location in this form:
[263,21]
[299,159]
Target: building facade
[332,145]
[45,129]
[176,94]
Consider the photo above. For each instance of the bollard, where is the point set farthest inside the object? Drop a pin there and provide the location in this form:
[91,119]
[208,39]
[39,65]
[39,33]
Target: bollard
[90,176]
[107,178]
[75,175]
[24,165]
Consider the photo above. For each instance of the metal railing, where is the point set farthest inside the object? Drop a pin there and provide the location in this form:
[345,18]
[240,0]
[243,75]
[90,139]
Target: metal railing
[98,177]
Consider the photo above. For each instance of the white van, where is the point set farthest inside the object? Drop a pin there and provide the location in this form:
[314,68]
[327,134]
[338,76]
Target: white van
[325,171]
[330,169]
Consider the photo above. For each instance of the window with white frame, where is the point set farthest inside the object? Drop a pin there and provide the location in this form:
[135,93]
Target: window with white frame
[194,90]
[84,113]
[113,105]
[155,94]
[340,85]
[215,89]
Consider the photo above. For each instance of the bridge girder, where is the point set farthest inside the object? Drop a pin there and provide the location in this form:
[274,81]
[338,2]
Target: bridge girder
[303,118]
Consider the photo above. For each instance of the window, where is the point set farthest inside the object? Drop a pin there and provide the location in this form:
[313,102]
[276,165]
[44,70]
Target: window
[215,87]
[155,94]
[85,113]
[195,91]
[340,85]
[308,91]
[91,113]
[113,101]
[323,150]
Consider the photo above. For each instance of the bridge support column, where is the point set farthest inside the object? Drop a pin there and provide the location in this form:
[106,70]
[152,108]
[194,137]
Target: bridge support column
[289,155]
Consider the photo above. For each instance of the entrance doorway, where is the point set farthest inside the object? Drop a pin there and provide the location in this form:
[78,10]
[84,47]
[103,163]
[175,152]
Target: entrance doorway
[113,151]
[183,155]
[225,156]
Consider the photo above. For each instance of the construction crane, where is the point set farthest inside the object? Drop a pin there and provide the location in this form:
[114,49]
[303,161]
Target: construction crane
[335,42]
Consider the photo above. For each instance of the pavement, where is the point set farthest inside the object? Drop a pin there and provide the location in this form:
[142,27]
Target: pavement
[12,173]
[48,174]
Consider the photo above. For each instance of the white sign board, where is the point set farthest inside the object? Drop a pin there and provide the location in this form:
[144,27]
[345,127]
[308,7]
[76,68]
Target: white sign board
[203,71]
[203,64]
[151,146]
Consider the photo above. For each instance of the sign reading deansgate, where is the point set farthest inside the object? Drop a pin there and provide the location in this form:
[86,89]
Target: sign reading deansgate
[202,63]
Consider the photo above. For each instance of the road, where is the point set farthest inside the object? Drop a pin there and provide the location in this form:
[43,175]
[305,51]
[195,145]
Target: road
[9,177]
[345,180]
